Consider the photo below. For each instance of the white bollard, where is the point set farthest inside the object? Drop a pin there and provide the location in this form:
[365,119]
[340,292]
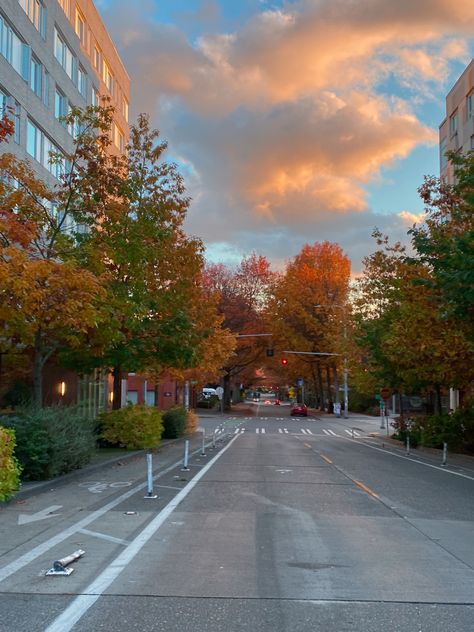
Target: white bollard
[185,467]
[352,430]
[149,478]
[203,448]
[445,454]
[408,446]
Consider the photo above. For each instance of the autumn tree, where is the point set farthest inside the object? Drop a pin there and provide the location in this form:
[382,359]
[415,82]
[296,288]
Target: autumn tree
[47,301]
[242,295]
[308,312]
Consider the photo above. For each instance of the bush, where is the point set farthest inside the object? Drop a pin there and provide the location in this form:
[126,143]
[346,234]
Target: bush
[174,422]
[135,427]
[52,441]
[210,402]
[9,467]
[457,430]
[192,422]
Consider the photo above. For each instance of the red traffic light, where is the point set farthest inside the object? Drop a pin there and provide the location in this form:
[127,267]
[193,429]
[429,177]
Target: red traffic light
[284,361]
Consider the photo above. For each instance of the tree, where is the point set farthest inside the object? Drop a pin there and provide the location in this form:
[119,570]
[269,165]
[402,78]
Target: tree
[308,312]
[445,241]
[242,296]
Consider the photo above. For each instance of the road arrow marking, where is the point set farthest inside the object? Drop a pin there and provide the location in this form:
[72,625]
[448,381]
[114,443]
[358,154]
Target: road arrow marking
[39,515]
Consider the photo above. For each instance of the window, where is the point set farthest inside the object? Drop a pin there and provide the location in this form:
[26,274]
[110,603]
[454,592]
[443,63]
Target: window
[150,398]
[443,146]
[82,81]
[80,27]
[15,51]
[40,146]
[97,58]
[453,124]
[12,108]
[132,397]
[60,105]
[95,97]
[119,138]
[36,12]
[108,77]
[470,105]
[63,54]
[36,76]
[125,108]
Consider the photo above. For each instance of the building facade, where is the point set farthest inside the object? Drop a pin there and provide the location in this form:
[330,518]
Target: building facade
[456,132]
[55,54]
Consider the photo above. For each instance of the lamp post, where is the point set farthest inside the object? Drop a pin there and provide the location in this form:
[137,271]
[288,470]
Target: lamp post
[345,371]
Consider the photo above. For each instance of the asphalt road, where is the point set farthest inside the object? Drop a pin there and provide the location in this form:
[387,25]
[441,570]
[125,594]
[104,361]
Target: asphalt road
[286,525]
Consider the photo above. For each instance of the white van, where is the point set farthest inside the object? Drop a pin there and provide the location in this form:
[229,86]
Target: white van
[208,392]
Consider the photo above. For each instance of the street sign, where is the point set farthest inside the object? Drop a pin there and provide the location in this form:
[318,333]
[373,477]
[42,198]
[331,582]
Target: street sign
[299,381]
[220,392]
[385,392]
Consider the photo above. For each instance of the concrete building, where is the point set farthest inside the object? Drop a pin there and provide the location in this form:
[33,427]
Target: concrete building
[55,54]
[456,132]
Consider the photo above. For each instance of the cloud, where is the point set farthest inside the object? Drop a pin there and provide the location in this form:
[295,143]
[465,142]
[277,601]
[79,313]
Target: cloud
[282,123]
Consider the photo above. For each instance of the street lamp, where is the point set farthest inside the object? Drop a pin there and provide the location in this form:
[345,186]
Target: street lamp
[345,369]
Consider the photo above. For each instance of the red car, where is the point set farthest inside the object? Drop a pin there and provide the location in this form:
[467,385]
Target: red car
[299,410]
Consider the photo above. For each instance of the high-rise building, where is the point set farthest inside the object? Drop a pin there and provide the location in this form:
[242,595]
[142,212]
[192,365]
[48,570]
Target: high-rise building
[55,54]
[456,132]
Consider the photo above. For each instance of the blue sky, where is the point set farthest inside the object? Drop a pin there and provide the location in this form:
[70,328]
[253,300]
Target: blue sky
[298,121]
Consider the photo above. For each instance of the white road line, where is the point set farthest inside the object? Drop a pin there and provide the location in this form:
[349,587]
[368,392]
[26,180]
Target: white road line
[280,430]
[308,431]
[303,430]
[257,430]
[285,430]
[332,433]
[75,611]
[263,431]
[326,432]
[236,431]
[104,536]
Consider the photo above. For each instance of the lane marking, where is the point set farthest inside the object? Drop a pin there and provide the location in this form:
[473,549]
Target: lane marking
[104,536]
[280,430]
[326,458]
[285,430]
[406,458]
[365,489]
[326,432]
[332,433]
[303,430]
[307,445]
[81,604]
[309,431]
[263,430]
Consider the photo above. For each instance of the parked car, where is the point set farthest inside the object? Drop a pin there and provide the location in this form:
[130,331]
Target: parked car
[300,410]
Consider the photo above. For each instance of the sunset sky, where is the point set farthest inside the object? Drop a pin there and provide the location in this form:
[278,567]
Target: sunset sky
[295,122]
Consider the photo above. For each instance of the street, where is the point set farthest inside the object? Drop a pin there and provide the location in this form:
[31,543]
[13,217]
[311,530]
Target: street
[284,524]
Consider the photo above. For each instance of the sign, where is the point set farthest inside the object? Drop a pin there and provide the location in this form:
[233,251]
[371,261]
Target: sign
[299,381]
[220,392]
[385,392]
[167,394]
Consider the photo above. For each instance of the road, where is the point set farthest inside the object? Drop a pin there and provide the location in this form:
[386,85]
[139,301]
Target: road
[286,525]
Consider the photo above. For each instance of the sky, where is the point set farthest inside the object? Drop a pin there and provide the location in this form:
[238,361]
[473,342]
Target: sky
[295,122]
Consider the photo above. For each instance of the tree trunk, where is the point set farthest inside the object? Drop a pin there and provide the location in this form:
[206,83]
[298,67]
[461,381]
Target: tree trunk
[328,378]
[226,393]
[117,388]
[321,387]
[336,384]
[38,372]
[438,408]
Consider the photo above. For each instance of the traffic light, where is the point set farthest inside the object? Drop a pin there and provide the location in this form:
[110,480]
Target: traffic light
[284,361]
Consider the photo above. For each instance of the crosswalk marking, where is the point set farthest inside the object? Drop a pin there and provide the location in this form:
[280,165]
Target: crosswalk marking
[285,430]
[350,432]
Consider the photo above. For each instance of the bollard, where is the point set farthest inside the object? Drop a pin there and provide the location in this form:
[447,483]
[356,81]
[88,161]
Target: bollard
[408,446]
[203,449]
[185,467]
[59,567]
[352,430]
[214,440]
[149,477]
[382,419]
[445,453]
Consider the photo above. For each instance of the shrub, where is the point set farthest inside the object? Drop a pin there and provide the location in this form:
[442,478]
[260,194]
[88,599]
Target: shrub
[135,427]
[52,441]
[210,402]
[174,422]
[192,422]
[9,467]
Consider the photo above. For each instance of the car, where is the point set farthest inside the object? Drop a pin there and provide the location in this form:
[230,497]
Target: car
[300,410]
